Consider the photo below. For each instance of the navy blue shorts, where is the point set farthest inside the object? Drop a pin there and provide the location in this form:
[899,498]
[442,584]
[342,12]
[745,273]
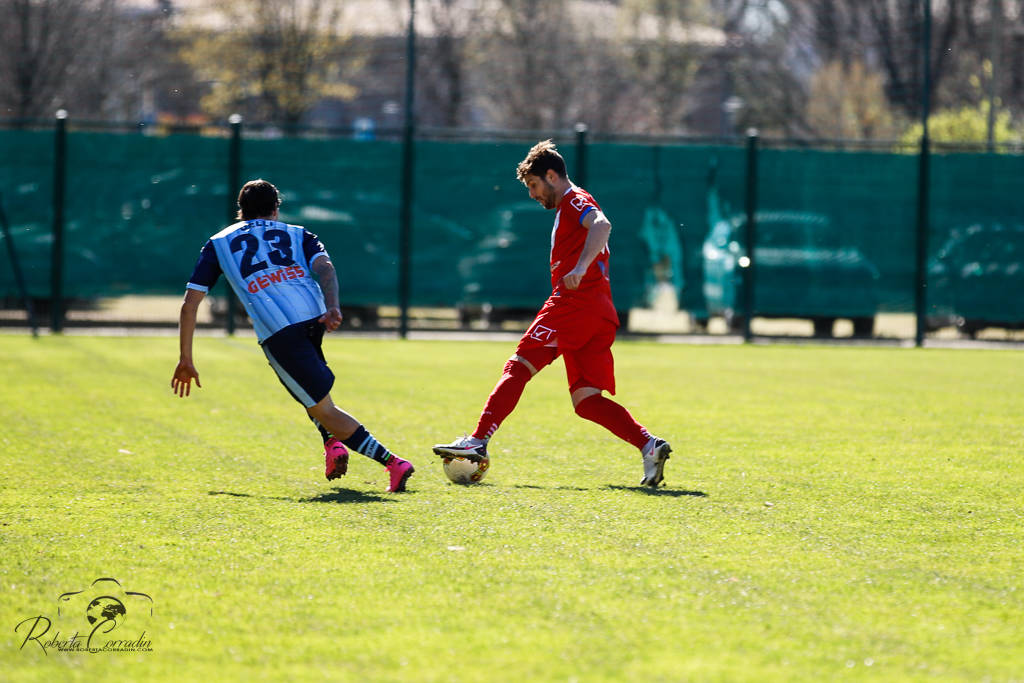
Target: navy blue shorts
[296,355]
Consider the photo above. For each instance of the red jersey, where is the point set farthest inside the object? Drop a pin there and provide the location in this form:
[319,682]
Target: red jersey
[567,238]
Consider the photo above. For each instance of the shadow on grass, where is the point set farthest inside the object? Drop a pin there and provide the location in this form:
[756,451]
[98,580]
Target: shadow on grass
[250,495]
[550,488]
[669,493]
[338,495]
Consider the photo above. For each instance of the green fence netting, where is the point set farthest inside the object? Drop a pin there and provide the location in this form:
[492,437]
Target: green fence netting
[836,230]
[26,190]
[976,263]
[656,198]
[347,192]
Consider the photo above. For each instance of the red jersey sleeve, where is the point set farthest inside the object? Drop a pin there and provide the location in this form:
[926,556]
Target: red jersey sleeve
[581,204]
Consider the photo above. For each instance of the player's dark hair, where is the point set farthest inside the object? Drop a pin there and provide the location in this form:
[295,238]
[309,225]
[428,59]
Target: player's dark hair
[542,157]
[257,199]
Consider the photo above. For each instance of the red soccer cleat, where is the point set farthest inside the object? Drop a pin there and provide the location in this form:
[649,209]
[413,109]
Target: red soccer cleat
[336,459]
[400,471]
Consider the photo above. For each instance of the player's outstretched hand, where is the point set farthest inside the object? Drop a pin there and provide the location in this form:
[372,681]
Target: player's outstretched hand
[331,319]
[181,383]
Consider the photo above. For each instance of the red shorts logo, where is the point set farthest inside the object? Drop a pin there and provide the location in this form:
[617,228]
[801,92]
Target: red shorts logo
[541,333]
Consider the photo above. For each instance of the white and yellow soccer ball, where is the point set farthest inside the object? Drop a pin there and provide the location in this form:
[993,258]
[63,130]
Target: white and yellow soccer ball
[465,471]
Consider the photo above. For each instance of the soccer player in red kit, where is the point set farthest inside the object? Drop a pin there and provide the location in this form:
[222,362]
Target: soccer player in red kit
[577,322]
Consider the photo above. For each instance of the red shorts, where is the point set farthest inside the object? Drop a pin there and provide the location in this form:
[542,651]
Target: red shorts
[581,337]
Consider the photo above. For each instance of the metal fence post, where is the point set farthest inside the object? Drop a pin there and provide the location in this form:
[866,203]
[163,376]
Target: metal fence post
[580,172]
[921,261]
[57,248]
[924,163]
[750,235]
[408,179]
[995,26]
[234,183]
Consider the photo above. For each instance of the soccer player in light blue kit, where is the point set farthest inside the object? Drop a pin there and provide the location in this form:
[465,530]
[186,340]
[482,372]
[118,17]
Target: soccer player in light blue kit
[270,265]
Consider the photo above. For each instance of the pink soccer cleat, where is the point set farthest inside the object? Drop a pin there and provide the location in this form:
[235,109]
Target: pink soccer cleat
[336,459]
[400,471]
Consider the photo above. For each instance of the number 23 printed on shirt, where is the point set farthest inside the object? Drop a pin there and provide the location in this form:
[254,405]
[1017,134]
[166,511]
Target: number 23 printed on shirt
[249,245]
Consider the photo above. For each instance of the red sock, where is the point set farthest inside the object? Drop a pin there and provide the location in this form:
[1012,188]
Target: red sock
[614,418]
[503,399]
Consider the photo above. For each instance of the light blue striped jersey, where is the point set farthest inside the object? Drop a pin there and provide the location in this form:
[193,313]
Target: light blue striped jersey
[268,264]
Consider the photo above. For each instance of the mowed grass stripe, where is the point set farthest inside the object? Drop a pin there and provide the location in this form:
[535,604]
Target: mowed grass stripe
[829,512]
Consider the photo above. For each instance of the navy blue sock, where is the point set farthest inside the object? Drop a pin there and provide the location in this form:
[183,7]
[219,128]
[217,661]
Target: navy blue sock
[363,442]
[324,434]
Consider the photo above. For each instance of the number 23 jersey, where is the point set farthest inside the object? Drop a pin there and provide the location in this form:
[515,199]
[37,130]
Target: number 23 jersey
[268,264]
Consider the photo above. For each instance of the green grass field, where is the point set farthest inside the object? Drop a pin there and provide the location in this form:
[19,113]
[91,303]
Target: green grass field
[837,513]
